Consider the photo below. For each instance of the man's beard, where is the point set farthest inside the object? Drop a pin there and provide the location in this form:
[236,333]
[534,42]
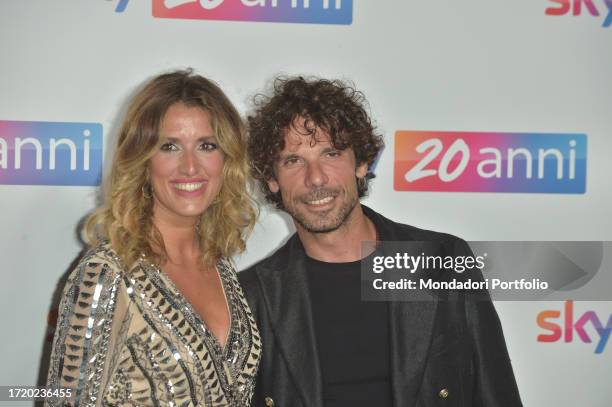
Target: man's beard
[324,221]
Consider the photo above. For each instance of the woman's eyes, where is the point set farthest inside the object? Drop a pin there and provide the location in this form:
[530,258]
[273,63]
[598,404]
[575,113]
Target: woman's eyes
[168,146]
[204,146]
[208,146]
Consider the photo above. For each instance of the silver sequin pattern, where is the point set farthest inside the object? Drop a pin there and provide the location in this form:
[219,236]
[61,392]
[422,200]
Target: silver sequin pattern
[129,338]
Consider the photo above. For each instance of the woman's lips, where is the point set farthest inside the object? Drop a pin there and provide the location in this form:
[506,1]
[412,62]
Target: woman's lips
[189,188]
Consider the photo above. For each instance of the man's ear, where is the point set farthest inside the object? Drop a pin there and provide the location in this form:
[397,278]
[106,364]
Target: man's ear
[362,170]
[273,185]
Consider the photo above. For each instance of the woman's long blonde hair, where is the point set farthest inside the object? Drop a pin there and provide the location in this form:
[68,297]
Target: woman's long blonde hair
[125,217]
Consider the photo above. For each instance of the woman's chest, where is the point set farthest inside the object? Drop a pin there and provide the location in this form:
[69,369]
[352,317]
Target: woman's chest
[167,352]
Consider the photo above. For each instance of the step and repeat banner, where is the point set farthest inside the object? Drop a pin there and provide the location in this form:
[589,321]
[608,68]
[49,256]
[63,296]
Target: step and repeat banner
[496,114]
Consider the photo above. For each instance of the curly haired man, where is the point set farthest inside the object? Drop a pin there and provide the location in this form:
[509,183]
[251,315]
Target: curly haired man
[311,146]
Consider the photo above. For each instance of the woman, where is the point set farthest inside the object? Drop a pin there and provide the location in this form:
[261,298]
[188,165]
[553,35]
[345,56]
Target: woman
[153,314]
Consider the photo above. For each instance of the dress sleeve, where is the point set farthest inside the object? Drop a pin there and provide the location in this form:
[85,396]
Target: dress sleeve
[91,315]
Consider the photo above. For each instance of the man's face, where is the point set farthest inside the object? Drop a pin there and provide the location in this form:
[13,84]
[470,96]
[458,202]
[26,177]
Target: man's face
[316,181]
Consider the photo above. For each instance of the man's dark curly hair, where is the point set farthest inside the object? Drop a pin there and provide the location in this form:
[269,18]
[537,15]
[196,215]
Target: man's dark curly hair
[332,106]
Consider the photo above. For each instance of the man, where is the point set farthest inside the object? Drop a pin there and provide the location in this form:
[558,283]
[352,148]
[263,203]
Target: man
[311,144]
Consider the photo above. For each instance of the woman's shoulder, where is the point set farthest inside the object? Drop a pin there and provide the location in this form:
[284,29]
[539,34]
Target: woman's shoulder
[101,258]
[227,265]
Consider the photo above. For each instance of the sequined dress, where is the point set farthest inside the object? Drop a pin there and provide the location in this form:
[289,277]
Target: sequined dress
[129,338]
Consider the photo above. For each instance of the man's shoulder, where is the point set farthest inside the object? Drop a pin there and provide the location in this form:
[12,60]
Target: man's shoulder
[396,231]
[262,273]
[248,275]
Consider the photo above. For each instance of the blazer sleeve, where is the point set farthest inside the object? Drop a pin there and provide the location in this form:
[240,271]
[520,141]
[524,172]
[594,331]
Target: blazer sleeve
[494,382]
[91,312]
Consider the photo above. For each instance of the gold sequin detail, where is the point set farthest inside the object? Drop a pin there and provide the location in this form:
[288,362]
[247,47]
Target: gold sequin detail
[130,338]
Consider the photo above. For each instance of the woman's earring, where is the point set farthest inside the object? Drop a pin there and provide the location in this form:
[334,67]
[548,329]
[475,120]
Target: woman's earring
[147,190]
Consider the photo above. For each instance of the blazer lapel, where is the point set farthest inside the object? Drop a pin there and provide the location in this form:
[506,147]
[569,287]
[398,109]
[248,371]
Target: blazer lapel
[410,331]
[285,287]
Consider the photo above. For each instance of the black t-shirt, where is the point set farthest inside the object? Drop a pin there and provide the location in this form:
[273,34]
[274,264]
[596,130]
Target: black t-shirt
[352,337]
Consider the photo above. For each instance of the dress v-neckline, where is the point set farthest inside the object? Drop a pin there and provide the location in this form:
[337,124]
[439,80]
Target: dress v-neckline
[220,349]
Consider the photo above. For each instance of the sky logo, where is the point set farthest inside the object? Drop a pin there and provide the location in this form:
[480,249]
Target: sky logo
[50,153]
[566,331]
[575,6]
[490,162]
[281,11]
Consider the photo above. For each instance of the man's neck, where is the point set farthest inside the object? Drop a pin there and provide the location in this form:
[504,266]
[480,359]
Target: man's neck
[344,244]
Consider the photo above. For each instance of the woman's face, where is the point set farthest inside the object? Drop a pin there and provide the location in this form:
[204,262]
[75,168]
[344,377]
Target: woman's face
[186,172]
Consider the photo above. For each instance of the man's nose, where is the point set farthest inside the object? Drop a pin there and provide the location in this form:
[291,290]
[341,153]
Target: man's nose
[315,175]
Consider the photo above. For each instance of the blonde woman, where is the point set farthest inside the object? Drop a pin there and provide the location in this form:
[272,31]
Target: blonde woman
[153,314]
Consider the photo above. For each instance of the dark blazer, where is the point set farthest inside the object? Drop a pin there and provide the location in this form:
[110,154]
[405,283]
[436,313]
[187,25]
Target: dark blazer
[443,353]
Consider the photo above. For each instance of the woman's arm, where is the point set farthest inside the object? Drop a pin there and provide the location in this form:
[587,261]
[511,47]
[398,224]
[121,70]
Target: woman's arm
[91,313]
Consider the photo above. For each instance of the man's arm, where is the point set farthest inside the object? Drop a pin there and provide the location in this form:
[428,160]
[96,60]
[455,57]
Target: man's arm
[494,382]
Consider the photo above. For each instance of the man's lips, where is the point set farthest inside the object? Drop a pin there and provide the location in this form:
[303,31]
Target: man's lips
[321,201]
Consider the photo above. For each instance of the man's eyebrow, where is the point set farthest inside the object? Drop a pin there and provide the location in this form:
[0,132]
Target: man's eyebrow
[285,156]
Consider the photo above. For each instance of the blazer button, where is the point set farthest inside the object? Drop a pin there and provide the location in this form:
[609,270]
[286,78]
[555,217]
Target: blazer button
[443,393]
[269,401]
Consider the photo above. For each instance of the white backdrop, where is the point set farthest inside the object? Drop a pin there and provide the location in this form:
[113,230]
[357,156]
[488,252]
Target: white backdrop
[478,65]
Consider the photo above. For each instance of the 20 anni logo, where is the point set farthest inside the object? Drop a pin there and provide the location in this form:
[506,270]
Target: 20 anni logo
[50,153]
[490,162]
[288,11]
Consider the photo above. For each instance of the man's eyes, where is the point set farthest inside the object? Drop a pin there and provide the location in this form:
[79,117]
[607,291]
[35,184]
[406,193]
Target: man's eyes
[291,161]
[288,161]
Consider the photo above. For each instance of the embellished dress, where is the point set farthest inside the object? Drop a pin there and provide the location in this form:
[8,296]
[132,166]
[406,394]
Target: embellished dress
[129,338]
